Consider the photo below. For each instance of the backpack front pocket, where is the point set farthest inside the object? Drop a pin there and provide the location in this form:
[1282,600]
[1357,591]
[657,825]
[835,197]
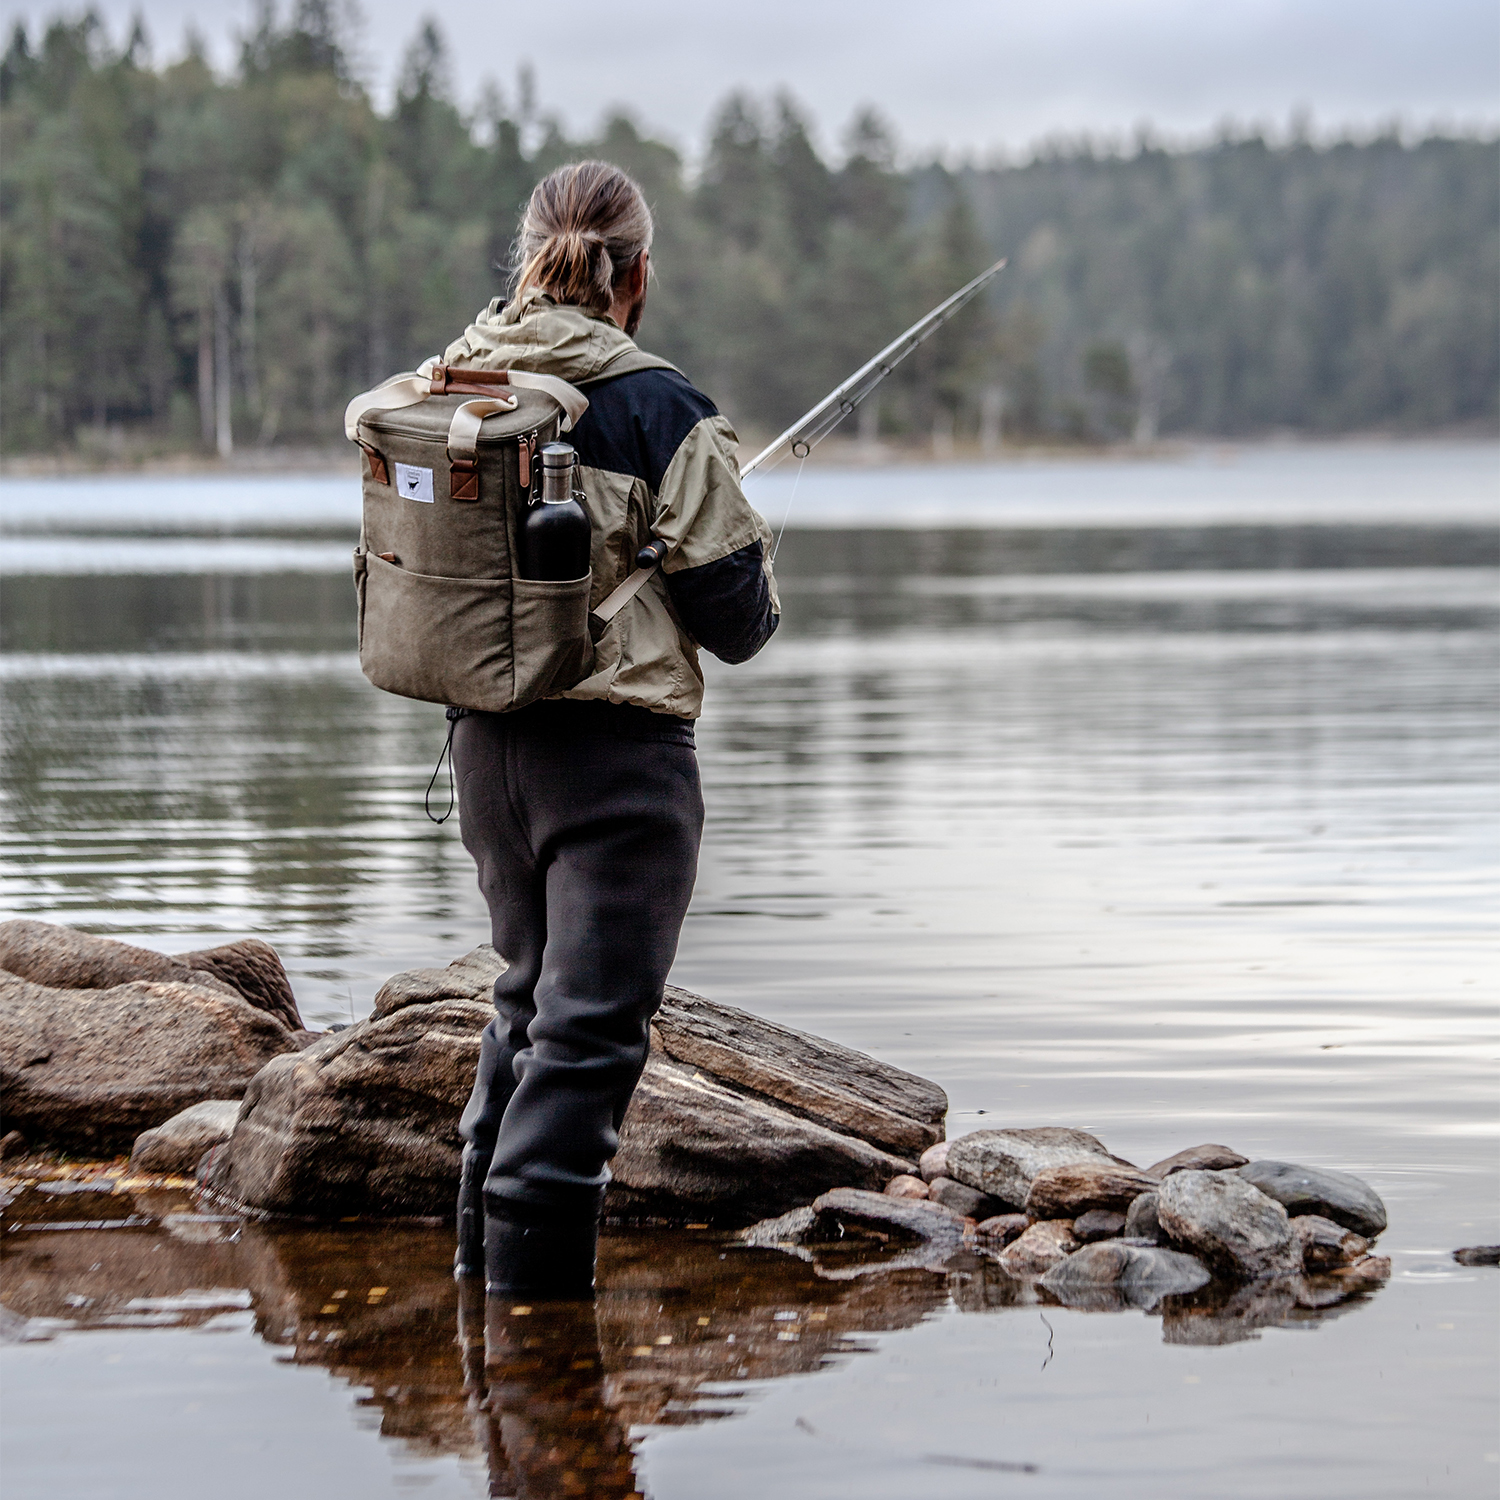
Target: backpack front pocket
[550,621]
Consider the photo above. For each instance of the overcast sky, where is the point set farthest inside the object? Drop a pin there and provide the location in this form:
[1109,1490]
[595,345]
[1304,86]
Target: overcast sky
[967,76]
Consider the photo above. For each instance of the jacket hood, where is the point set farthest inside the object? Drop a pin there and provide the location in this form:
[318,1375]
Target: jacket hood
[533,332]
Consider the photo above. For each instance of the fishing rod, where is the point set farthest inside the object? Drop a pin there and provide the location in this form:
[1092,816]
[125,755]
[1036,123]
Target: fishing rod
[812,427]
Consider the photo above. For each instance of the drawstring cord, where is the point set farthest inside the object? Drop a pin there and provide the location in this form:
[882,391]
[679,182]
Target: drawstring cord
[454,715]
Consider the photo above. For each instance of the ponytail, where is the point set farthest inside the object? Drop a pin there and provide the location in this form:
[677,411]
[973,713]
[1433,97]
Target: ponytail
[584,227]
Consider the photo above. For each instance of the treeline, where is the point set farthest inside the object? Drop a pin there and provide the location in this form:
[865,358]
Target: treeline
[223,261]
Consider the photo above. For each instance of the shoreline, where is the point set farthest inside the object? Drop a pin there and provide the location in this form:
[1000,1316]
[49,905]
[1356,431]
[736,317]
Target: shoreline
[835,452]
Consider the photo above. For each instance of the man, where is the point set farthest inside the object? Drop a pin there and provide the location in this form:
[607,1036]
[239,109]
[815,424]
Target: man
[583,812]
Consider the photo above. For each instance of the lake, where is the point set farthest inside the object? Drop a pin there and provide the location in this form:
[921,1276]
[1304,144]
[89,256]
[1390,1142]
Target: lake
[1154,797]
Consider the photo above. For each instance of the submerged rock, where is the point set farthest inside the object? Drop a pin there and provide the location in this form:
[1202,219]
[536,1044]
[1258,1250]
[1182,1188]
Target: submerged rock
[1140,1219]
[90,1069]
[1340,1196]
[966,1202]
[175,1147]
[1115,1275]
[1478,1255]
[1098,1224]
[1065,1191]
[1038,1249]
[64,958]
[1326,1245]
[365,1122]
[1197,1159]
[1234,1226]
[1003,1163]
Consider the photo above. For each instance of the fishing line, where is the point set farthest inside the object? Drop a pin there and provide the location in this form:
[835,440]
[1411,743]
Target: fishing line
[786,514]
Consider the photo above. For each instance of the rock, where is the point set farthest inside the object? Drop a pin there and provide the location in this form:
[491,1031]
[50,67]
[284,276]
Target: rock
[1470,1255]
[175,1147]
[1326,1245]
[1002,1163]
[1140,1219]
[906,1187]
[794,1228]
[1098,1224]
[1002,1229]
[253,969]
[1040,1248]
[64,958]
[963,1200]
[1339,1196]
[848,1091]
[471,977]
[1064,1192]
[13,1143]
[90,1069]
[1112,1274]
[1234,1226]
[934,1161]
[848,1208]
[1198,1159]
[364,1122]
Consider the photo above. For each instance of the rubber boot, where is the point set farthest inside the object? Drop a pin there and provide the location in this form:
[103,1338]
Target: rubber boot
[468,1258]
[545,1254]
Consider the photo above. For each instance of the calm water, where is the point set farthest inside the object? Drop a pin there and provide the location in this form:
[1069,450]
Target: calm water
[1157,799]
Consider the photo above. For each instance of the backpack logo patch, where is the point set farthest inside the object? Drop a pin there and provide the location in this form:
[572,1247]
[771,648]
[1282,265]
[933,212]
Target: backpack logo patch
[414,483]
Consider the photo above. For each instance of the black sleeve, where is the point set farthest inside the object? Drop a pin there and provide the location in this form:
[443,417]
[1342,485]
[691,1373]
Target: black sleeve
[726,605]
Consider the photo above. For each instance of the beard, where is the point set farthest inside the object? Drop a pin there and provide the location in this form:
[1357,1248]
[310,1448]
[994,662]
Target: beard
[634,316]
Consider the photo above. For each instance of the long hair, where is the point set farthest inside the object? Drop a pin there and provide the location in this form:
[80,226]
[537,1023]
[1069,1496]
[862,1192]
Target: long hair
[583,228]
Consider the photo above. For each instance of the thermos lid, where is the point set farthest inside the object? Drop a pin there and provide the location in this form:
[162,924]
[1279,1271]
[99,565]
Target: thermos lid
[558,456]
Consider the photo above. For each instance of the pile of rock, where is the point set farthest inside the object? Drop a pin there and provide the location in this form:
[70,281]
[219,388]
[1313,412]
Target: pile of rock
[1054,1205]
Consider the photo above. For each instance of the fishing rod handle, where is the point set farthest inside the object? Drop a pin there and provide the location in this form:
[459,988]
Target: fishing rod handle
[651,554]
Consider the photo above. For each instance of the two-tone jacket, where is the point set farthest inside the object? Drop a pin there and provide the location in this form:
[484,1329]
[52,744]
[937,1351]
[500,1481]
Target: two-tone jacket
[655,459]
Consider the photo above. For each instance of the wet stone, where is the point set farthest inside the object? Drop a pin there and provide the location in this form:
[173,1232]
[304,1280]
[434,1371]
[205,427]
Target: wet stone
[1098,1224]
[1234,1226]
[1065,1191]
[1040,1248]
[1140,1219]
[1002,1229]
[1197,1159]
[966,1202]
[1326,1245]
[176,1146]
[1115,1274]
[906,1186]
[934,1161]
[1004,1162]
[1340,1196]
[1478,1255]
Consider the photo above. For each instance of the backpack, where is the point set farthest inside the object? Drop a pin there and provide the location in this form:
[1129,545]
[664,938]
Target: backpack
[442,615]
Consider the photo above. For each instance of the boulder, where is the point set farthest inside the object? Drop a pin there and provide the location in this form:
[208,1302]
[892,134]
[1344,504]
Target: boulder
[1064,1192]
[471,977]
[253,969]
[1339,1196]
[922,1233]
[365,1122]
[1002,1163]
[175,1147]
[934,1161]
[1198,1159]
[848,1208]
[1326,1245]
[999,1231]
[1038,1249]
[1098,1224]
[1231,1224]
[90,1069]
[1113,1274]
[966,1202]
[64,958]
[906,1186]
[1140,1219]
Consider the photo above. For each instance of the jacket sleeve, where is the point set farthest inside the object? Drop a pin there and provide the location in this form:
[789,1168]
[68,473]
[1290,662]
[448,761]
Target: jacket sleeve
[718,571]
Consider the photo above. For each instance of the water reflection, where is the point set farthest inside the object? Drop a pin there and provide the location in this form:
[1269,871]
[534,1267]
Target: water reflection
[553,1398]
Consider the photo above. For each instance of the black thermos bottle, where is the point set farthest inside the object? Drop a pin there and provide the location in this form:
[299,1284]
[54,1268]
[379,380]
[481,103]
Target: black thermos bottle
[553,536]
